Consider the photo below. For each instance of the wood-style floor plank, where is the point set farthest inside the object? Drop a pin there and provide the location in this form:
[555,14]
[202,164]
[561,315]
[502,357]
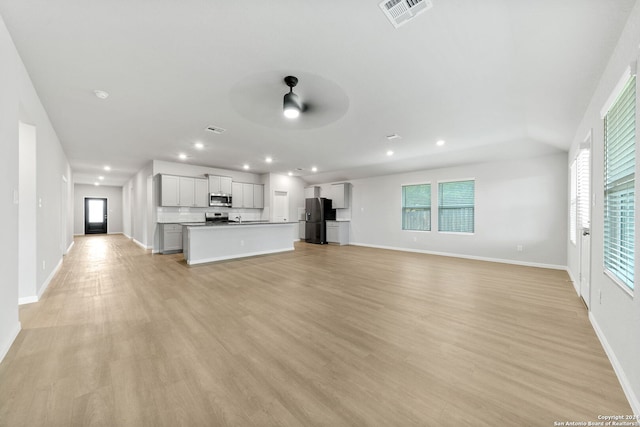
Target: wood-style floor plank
[321,336]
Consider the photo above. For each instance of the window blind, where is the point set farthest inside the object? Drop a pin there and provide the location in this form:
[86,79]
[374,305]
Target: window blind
[456,206]
[416,207]
[619,185]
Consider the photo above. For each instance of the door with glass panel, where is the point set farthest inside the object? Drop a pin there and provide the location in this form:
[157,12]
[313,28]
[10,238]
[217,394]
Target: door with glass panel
[95,216]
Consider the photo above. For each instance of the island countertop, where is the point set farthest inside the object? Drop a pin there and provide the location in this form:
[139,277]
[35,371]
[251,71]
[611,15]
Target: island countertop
[204,242]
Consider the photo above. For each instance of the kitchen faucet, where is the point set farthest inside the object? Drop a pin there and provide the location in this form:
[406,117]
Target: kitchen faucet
[239,218]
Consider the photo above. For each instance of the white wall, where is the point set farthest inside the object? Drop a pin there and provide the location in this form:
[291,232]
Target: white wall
[27,210]
[138,213]
[614,313]
[20,102]
[126,208]
[294,187]
[114,206]
[9,116]
[519,202]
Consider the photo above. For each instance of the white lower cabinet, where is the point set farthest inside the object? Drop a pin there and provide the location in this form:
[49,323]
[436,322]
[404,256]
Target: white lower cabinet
[170,238]
[338,232]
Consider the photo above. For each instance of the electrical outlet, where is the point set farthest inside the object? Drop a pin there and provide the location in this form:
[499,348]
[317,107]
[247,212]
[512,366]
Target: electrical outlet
[44,265]
[519,248]
[241,242]
[415,239]
[600,295]
[40,202]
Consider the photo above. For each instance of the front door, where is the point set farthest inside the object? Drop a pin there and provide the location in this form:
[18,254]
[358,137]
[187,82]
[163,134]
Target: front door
[95,216]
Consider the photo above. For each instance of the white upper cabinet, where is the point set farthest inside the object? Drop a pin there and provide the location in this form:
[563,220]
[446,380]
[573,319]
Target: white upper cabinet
[187,191]
[169,190]
[201,187]
[219,184]
[245,195]
[236,195]
[340,195]
[258,196]
[183,191]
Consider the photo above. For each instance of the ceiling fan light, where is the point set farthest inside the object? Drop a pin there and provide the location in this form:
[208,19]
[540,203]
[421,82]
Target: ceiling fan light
[291,105]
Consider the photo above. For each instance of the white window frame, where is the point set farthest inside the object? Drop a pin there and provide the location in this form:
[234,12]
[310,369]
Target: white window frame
[628,74]
[437,200]
[430,207]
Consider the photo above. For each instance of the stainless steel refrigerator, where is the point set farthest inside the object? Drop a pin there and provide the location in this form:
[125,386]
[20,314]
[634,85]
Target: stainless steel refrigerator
[318,210]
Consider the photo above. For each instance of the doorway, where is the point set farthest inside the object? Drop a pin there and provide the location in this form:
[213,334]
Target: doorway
[584,218]
[280,206]
[95,216]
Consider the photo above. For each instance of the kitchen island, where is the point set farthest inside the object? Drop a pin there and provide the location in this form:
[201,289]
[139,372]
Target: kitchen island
[216,242]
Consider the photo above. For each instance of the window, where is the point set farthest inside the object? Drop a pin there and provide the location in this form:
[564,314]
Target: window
[619,185]
[456,202]
[573,203]
[416,207]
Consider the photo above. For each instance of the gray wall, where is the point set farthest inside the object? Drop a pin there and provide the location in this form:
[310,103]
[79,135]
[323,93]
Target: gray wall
[20,102]
[614,313]
[519,202]
[114,206]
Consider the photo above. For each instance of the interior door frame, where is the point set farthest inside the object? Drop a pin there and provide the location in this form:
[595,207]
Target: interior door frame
[275,197]
[584,234]
[86,215]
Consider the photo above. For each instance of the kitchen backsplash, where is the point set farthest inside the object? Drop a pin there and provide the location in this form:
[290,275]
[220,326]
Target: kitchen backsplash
[173,215]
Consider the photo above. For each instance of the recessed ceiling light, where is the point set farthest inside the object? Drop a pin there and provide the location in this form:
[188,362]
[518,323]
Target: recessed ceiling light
[101,178]
[182,156]
[393,136]
[107,168]
[199,145]
[245,167]
[96,184]
[268,160]
[441,143]
[314,169]
[101,94]
[290,174]
[389,153]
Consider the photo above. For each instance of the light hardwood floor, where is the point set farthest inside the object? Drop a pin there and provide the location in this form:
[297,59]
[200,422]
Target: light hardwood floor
[322,336]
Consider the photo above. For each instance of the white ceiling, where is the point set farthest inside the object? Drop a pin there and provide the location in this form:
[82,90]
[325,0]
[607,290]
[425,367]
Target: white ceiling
[494,78]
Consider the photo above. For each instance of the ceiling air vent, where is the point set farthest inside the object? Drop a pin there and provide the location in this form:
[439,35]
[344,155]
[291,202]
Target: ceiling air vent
[215,129]
[400,12]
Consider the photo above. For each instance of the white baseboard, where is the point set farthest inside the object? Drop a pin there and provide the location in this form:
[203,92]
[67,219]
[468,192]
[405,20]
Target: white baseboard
[35,298]
[576,285]
[141,244]
[634,402]
[5,346]
[126,235]
[27,300]
[70,246]
[473,257]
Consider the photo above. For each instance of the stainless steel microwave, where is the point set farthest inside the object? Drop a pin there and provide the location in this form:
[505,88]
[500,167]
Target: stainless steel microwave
[219,199]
